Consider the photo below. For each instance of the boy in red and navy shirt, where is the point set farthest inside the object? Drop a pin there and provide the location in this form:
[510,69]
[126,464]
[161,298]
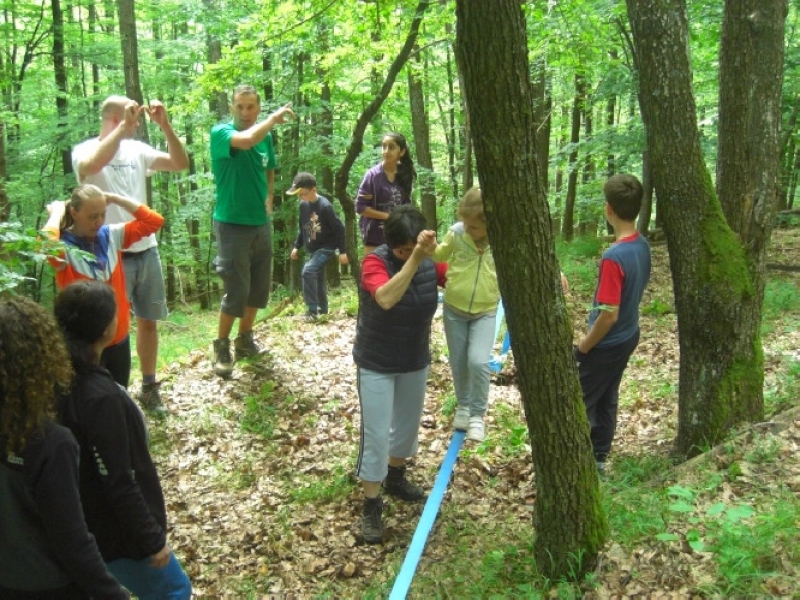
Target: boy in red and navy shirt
[603,353]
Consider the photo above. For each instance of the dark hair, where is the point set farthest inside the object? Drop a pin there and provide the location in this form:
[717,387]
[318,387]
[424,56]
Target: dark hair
[83,310]
[406,174]
[624,193]
[245,89]
[34,369]
[86,191]
[404,224]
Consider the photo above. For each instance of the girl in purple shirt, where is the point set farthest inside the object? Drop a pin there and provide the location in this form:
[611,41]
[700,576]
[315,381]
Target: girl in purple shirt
[386,185]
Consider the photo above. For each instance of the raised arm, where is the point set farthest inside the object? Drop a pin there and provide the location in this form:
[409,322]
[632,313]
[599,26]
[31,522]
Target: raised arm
[176,159]
[247,138]
[392,291]
[105,151]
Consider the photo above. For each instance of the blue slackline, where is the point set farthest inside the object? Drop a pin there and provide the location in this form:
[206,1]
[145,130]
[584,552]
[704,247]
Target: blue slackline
[406,574]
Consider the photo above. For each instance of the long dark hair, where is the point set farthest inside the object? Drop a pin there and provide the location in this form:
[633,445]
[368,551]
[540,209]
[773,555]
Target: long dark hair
[83,310]
[406,174]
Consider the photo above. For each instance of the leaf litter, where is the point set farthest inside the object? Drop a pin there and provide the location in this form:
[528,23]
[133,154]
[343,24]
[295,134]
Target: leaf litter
[257,470]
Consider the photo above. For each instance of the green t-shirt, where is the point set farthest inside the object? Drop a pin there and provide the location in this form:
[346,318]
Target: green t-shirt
[241,177]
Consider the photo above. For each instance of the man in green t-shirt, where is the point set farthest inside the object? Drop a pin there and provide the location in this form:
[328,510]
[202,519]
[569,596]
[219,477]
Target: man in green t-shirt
[243,162]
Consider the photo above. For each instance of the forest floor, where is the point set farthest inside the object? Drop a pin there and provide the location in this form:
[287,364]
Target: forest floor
[257,472]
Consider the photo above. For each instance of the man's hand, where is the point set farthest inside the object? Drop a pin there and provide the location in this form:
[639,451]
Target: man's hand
[131,117]
[293,255]
[279,116]
[157,113]
[343,260]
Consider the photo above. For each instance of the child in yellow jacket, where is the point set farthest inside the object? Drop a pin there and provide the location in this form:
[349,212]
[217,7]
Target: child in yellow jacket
[470,309]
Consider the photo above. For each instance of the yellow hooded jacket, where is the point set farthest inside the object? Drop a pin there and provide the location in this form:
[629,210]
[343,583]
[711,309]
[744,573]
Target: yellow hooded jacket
[471,275]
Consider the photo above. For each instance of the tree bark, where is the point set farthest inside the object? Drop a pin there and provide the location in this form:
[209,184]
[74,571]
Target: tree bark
[60,74]
[568,223]
[716,279]
[492,51]
[422,145]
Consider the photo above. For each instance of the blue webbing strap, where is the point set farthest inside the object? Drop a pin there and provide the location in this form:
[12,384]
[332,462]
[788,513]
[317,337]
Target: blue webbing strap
[406,574]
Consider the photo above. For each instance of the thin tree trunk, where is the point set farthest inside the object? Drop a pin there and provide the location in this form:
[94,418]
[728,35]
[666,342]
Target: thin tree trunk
[422,144]
[342,177]
[568,224]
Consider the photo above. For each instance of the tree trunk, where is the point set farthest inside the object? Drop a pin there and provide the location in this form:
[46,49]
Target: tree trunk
[716,280]
[492,51]
[568,223]
[342,177]
[130,62]
[60,74]
[5,206]
[422,145]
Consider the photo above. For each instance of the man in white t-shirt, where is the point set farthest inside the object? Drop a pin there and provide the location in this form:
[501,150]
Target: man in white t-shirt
[117,163]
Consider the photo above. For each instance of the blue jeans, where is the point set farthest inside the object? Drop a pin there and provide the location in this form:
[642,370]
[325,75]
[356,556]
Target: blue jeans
[315,289]
[150,583]
[469,342]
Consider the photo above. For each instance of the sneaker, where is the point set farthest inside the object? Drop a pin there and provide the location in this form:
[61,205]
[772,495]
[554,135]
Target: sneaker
[311,316]
[477,430]
[371,523]
[150,399]
[461,420]
[223,363]
[601,468]
[397,485]
[245,346]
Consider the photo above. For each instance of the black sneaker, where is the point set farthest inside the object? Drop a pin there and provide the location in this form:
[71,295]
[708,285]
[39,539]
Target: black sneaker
[245,346]
[150,399]
[223,363]
[371,523]
[311,316]
[397,485]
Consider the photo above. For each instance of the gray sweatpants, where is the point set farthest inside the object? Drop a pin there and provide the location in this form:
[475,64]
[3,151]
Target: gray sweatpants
[391,410]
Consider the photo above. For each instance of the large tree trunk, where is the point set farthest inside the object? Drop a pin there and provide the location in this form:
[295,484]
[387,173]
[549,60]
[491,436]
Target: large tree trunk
[492,51]
[716,280]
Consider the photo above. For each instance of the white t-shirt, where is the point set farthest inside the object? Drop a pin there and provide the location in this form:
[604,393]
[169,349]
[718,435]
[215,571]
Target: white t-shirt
[124,175]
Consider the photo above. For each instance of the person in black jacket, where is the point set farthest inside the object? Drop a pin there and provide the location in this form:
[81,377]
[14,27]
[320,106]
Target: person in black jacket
[46,550]
[321,234]
[120,489]
[397,301]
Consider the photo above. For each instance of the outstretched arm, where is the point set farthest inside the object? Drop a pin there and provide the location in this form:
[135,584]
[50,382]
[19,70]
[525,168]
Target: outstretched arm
[244,140]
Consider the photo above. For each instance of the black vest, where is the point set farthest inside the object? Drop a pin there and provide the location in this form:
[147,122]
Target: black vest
[397,340]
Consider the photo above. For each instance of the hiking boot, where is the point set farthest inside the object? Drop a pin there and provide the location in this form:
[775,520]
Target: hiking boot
[371,523]
[477,430]
[150,399]
[397,485]
[245,346]
[461,420]
[223,363]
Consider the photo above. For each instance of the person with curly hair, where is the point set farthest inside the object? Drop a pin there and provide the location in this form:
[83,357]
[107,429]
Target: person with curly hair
[120,489]
[46,550]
